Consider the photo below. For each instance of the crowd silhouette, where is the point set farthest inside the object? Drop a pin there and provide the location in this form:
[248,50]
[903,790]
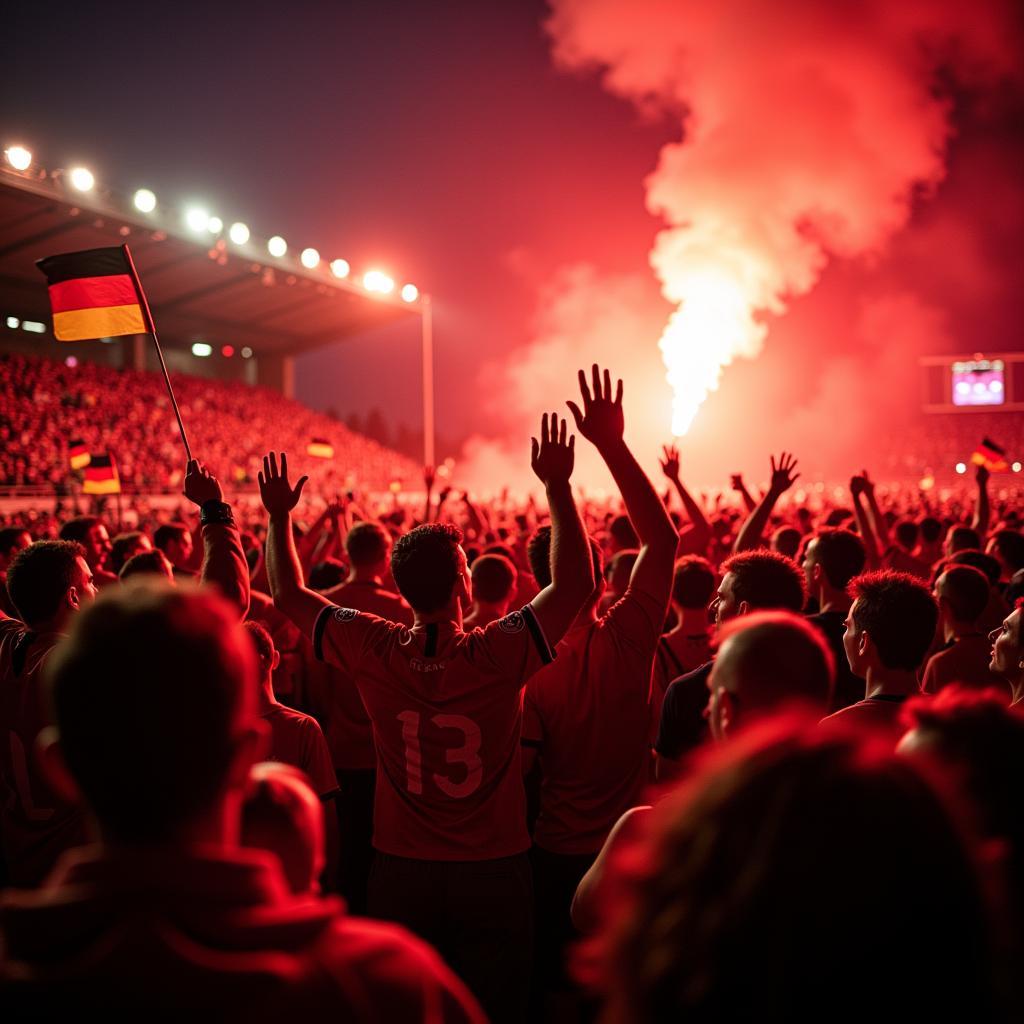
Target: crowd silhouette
[652,757]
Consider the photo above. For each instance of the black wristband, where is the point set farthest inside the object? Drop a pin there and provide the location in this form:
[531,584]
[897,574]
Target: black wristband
[216,512]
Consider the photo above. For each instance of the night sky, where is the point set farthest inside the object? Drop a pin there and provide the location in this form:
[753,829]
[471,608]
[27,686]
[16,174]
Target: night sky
[440,142]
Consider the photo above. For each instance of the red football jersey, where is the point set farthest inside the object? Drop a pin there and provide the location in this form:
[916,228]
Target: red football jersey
[446,708]
[589,714]
[297,739]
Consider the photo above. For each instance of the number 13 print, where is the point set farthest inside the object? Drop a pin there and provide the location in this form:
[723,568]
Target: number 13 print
[467,754]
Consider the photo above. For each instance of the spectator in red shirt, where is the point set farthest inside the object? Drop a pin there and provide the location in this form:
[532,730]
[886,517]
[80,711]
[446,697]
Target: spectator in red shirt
[168,910]
[889,629]
[449,822]
[125,546]
[587,716]
[962,592]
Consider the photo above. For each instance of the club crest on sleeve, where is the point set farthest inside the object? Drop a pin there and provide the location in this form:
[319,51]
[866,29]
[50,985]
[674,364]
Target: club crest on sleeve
[345,614]
[512,623]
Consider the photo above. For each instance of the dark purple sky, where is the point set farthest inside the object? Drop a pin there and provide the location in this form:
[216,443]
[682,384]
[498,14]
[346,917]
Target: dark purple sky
[432,139]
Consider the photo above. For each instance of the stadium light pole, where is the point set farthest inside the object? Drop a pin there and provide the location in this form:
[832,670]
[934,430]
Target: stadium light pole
[427,321]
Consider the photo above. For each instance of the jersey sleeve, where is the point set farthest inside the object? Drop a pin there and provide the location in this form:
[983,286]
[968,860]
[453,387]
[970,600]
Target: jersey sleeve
[342,635]
[515,645]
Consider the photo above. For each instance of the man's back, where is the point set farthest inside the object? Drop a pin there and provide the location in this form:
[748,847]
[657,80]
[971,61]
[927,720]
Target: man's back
[446,710]
[966,663]
[172,931]
[36,824]
[296,739]
[589,714]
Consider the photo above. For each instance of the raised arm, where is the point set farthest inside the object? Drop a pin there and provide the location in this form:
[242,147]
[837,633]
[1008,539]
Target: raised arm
[224,563]
[287,587]
[741,488]
[700,528]
[858,486]
[601,422]
[783,477]
[878,523]
[572,571]
[983,510]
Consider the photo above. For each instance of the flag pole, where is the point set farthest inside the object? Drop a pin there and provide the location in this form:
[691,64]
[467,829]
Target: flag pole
[156,341]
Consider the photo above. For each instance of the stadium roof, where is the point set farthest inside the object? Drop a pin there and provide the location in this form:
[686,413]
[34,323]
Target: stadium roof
[201,284]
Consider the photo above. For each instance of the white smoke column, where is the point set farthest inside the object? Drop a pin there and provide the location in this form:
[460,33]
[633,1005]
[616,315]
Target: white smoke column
[808,128]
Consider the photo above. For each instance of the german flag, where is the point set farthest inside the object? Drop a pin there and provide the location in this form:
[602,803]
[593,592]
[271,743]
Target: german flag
[991,456]
[101,476]
[93,295]
[320,448]
[78,454]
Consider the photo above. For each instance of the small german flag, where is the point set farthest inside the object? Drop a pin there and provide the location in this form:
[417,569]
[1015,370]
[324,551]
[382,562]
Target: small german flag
[101,476]
[991,456]
[78,454]
[93,295]
[320,448]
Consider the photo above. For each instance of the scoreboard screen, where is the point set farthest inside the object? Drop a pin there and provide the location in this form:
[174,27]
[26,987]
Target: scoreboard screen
[978,382]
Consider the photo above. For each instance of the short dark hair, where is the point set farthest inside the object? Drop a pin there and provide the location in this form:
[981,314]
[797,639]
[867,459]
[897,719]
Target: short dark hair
[77,529]
[494,578]
[931,529]
[39,576]
[262,642]
[326,574]
[1009,544]
[425,565]
[9,537]
[538,553]
[988,564]
[907,532]
[961,537]
[898,612]
[145,563]
[766,579]
[121,549]
[147,691]
[786,540]
[167,534]
[967,591]
[841,555]
[367,543]
[623,533]
[693,582]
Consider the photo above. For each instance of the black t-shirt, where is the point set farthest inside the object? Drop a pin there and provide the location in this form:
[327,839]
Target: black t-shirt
[683,725]
[849,688]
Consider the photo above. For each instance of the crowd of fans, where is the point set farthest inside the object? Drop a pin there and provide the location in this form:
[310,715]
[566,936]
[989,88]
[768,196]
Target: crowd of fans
[45,405]
[630,760]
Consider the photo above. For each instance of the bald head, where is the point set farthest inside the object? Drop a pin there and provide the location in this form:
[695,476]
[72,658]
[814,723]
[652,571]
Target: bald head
[767,660]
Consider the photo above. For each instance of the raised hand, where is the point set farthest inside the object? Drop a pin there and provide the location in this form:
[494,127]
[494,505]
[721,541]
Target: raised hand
[601,421]
[670,463]
[277,495]
[783,476]
[858,485]
[736,482]
[553,456]
[428,477]
[201,485]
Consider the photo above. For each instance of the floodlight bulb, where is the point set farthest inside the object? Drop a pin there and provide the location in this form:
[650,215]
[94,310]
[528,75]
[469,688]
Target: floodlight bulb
[961,468]
[246,352]
[201,349]
[277,246]
[82,179]
[197,218]
[145,200]
[377,281]
[18,157]
[340,268]
[239,233]
[310,258]
[410,293]
[215,225]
